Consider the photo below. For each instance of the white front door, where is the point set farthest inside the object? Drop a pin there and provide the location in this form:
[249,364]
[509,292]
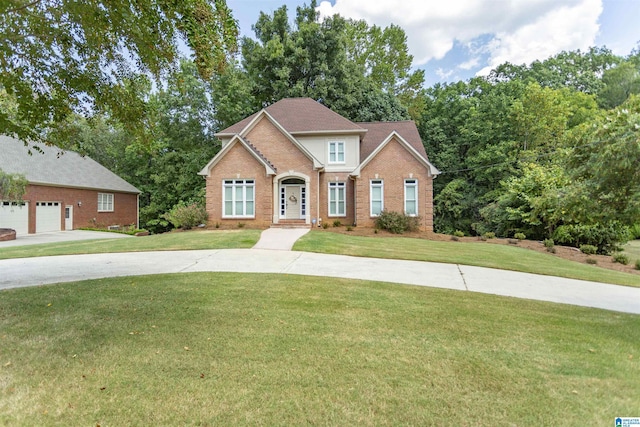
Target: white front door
[68,217]
[293,202]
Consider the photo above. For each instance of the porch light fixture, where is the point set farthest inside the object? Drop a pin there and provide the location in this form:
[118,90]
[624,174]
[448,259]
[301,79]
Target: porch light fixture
[79,203]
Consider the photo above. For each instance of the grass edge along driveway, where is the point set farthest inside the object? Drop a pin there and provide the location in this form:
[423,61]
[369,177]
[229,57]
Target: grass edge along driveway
[505,257]
[476,254]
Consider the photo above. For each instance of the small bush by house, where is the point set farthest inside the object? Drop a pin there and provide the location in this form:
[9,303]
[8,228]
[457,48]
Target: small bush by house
[397,223]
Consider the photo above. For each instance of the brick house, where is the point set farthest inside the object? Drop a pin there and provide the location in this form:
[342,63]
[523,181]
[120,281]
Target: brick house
[298,162]
[65,191]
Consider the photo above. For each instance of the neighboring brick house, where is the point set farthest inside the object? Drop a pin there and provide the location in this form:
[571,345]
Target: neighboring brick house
[297,161]
[65,191]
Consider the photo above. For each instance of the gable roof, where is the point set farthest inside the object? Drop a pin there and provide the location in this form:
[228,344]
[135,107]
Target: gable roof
[300,116]
[269,168]
[55,167]
[422,158]
[377,132]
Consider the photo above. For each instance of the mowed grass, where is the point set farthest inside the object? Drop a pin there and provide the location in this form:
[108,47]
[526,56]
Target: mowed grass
[632,249]
[205,239]
[480,254]
[240,349]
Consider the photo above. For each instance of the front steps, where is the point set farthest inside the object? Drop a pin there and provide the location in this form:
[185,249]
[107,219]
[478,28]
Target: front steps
[291,223]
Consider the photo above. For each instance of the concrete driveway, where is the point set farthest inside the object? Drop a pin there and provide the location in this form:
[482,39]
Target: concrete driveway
[60,236]
[68,268]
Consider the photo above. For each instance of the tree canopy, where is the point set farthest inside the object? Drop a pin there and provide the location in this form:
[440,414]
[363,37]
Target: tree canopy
[63,57]
[548,149]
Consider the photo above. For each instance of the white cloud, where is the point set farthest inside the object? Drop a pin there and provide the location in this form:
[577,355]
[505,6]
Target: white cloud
[521,30]
[470,64]
[444,74]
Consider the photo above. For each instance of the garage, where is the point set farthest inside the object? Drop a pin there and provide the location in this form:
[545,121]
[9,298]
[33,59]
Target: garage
[15,215]
[48,216]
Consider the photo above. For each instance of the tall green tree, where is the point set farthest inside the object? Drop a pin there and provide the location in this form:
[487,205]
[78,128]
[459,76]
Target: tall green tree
[619,83]
[604,165]
[309,59]
[60,57]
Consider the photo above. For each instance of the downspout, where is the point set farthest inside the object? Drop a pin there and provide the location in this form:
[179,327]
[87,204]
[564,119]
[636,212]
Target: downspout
[355,201]
[318,199]
[138,211]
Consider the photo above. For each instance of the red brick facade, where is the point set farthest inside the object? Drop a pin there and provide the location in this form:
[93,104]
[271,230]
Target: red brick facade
[385,167]
[264,153]
[85,206]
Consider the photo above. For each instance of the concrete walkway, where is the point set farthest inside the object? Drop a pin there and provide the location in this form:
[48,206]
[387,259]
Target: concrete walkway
[67,268]
[280,239]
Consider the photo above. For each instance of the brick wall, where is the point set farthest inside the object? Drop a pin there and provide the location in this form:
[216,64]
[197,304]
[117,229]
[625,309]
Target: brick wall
[325,179]
[125,206]
[286,156]
[393,165]
[238,163]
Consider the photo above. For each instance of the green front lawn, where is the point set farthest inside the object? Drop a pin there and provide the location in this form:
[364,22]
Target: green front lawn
[177,241]
[478,254]
[243,349]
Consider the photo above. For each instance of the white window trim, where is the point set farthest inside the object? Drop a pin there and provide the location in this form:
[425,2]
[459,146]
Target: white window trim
[371,186]
[337,151]
[234,184]
[415,185]
[335,186]
[110,202]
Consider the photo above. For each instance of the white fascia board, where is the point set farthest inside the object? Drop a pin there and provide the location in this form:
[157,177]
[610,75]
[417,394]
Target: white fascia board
[330,132]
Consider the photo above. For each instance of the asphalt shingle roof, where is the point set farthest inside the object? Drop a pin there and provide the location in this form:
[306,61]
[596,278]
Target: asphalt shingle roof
[377,132]
[68,169]
[298,115]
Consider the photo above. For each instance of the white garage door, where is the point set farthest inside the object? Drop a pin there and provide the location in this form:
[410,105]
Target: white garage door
[48,216]
[15,215]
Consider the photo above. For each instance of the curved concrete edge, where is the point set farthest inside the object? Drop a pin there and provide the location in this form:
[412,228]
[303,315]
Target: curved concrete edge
[69,268]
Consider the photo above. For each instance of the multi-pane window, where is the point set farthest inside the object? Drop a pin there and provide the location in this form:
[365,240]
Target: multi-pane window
[105,202]
[337,199]
[411,197]
[336,152]
[377,196]
[239,198]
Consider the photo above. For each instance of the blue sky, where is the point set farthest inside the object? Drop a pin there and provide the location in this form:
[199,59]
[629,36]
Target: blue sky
[457,39]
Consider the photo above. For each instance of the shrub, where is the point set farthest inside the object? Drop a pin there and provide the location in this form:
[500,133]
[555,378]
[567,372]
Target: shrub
[489,235]
[551,249]
[325,225]
[397,223]
[520,236]
[606,237]
[548,243]
[588,249]
[620,258]
[638,264]
[241,225]
[186,216]
[635,231]
[458,233]
[337,223]
[591,261]
[349,228]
